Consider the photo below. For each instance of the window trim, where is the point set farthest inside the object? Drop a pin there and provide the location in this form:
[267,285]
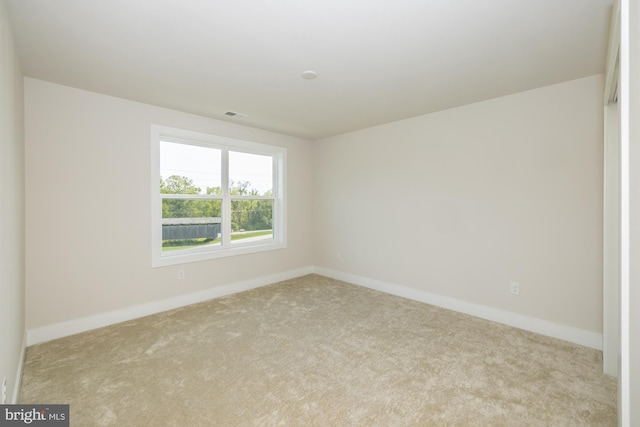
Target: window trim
[279,154]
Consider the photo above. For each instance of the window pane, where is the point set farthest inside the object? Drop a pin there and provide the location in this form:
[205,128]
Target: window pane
[190,223]
[250,174]
[189,169]
[251,219]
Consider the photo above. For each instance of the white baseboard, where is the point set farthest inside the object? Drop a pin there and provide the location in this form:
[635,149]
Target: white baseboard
[72,327]
[540,326]
[18,382]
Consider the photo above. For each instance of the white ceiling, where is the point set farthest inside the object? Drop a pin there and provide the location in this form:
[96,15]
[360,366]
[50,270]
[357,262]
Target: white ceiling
[377,60]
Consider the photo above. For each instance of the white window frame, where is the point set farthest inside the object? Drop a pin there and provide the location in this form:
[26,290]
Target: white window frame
[226,248]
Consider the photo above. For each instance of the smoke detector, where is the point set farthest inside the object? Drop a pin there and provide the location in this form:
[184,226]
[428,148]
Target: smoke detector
[309,74]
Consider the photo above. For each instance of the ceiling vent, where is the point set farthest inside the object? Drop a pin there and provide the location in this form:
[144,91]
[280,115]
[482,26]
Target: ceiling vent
[235,115]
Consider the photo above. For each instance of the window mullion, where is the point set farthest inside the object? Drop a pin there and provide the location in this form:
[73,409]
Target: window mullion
[226,200]
[275,192]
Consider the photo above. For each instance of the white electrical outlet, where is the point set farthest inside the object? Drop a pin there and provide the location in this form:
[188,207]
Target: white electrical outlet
[515,288]
[180,274]
[4,390]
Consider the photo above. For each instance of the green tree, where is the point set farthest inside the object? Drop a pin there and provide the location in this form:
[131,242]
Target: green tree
[182,208]
[247,214]
[215,191]
[176,184]
[240,208]
[250,214]
[260,217]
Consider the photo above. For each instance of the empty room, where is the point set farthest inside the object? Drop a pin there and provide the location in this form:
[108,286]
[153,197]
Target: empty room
[320,213]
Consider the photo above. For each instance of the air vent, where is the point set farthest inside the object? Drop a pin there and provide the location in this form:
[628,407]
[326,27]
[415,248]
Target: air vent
[235,115]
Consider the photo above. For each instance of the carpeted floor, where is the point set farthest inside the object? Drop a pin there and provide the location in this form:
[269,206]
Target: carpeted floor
[314,351]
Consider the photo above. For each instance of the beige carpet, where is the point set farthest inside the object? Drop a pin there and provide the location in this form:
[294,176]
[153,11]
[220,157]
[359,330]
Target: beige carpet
[318,352]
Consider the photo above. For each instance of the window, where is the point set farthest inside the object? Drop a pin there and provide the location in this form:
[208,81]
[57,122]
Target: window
[214,196]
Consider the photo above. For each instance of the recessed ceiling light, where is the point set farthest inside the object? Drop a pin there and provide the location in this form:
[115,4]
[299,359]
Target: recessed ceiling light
[309,74]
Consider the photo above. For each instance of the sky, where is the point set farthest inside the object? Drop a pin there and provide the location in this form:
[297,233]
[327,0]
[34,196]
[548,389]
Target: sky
[203,166]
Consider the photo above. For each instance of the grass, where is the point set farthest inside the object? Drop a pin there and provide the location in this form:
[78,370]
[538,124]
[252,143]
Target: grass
[176,245]
[247,234]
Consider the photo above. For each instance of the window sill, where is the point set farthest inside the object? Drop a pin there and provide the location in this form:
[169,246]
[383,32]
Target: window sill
[162,260]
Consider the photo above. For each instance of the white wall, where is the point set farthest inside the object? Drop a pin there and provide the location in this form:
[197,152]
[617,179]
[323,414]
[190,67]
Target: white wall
[88,206]
[632,67]
[461,202]
[611,242]
[11,208]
